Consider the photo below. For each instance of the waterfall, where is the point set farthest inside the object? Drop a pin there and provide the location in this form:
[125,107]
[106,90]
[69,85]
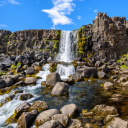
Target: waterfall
[67,46]
[67,51]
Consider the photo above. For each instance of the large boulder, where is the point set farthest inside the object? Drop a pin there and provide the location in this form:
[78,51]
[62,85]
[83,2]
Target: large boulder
[70,110]
[87,72]
[108,86]
[24,107]
[26,119]
[105,110]
[52,79]
[25,96]
[63,119]
[51,124]
[30,71]
[5,61]
[45,116]
[118,123]
[60,88]
[39,105]
[30,80]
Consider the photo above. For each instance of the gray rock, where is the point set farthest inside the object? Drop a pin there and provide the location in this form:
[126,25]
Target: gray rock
[118,123]
[102,75]
[60,88]
[51,124]
[45,116]
[108,86]
[30,80]
[75,123]
[63,119]
[2,83]
[30,71]
[52,79]
[69,110]
[24,107]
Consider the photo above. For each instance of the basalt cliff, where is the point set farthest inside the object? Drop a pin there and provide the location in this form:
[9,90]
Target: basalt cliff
[105,39]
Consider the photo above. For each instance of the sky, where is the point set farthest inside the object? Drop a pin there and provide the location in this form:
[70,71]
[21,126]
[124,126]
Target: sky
[16,15]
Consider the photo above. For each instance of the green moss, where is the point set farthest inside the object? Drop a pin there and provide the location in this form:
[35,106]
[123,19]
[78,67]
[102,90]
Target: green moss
[11,35]
[8,42]
[6,37]
[14,67]
[56,32]
[2,73]
[11,120]
[123,67]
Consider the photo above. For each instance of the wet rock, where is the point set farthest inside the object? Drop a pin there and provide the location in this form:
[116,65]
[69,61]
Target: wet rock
[26,119]
[70,110]
[18,69]
[102,75]
[77,77]
[39,105]
[18,91]
[2,83]
[51,124]
[19,83]
[87,72]
[108,86]
[7,99]
[45,116]
[19,59]
[52,79]
[30,71]
[25,96]
[116,98]
[30,80]
[69,81]
[11,120]
[118,123]
[75,123]
[60,88]
[104,110]
[24,107]
[98,64]
[63,119]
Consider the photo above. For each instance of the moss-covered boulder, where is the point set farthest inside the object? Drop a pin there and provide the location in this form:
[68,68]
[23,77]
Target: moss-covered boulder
[39,105]
[25,96]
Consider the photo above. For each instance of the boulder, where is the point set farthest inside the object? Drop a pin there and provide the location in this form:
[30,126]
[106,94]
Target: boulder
[19,59]
[8,82]
[63,119]
[98,64]
[69,81]
[24,107]
[52,79]
[60,88]
[108,86]
[26,119]
[104,110]
[30,71]
[25,96]
[102,75]
[74,123]
[45,116]
[104,68]
[51,124]
[70,110]
[6,62]
[30,80]
[39,105]
[118,123]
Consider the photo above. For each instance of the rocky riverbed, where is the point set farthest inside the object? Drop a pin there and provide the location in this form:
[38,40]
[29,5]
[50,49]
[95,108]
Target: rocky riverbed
[35,95]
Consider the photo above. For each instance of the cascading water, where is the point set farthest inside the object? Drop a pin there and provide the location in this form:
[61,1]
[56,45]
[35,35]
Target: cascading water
[67,49]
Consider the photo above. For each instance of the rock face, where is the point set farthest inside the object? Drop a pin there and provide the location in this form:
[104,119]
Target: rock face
[52,79]
[29,40]
[60,88]
[109,36]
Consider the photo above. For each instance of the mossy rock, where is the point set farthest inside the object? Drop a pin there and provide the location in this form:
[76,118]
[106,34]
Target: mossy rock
[25,96]
[11,120]
[53,67]
[43,83]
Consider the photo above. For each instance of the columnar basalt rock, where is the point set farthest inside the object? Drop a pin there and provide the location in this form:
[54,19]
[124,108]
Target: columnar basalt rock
[109,36]
[46,41]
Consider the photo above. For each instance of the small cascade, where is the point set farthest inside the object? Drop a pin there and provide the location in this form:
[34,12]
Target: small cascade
[65,70]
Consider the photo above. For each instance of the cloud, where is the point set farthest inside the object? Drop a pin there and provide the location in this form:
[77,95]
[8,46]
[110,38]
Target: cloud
[59,12]
[95,10]
[79,17]
[2,3]
[3,26]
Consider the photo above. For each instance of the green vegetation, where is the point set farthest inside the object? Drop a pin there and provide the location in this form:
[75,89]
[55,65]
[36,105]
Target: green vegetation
[14,67]
[8,42]
[11,35]
[123,67]
[6,37]
[56,32]
[1,73]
